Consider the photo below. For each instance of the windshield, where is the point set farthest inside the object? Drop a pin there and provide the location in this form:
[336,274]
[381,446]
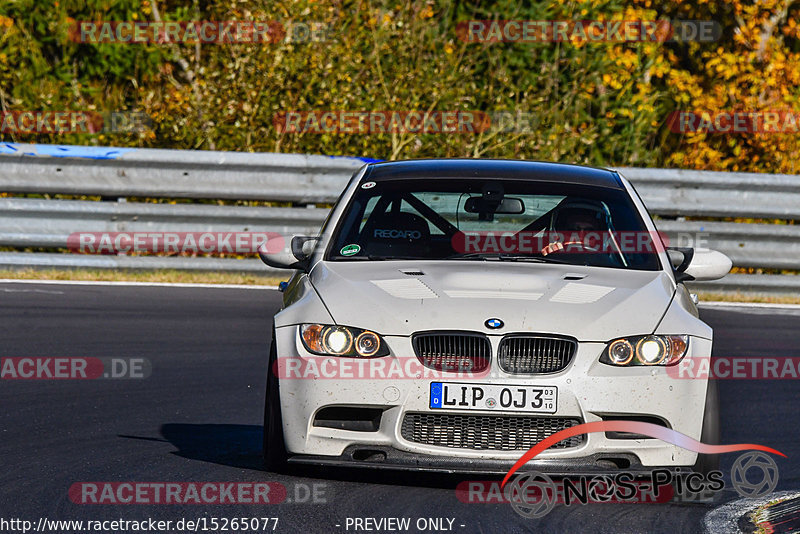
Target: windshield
[501,220]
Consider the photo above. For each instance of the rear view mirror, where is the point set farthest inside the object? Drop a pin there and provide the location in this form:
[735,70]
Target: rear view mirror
[507,206]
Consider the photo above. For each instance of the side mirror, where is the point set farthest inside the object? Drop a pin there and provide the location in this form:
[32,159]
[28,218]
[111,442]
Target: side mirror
[700,264]
[276,254]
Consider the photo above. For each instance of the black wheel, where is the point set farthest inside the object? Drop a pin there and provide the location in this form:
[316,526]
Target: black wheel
[710,435]
[274,447]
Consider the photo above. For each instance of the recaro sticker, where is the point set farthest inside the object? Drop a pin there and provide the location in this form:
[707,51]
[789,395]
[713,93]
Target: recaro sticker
[397,234]
[350,250]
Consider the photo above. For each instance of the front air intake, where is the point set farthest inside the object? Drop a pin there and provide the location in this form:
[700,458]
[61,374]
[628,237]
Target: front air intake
[526,354]
[453,351]
[486,432]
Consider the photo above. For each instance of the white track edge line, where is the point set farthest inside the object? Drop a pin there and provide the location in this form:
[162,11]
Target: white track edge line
[133,284]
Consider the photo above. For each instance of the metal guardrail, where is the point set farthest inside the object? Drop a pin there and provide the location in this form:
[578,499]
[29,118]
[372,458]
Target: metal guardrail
[687,193]
[28,222]
[160,173]
[760,246]
[47,224]
[49,260]
[118,174]
[764,284]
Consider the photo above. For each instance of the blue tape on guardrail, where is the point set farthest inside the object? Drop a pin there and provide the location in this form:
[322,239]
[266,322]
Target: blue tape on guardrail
[65,151]
[95,152]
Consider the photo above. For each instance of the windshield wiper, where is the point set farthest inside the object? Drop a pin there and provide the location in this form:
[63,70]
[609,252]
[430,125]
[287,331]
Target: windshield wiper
[373,257]
[468,255]
[481,256]
[504,257]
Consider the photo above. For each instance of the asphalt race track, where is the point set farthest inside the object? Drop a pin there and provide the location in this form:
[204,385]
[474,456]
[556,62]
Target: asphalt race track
[198,417]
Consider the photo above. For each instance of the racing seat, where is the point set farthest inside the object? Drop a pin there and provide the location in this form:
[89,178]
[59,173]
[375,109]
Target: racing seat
[396,234]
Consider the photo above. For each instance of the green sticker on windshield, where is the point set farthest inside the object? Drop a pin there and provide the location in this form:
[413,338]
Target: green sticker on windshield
[350,250]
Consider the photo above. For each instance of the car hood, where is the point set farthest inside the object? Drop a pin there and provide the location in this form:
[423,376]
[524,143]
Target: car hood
[403,297]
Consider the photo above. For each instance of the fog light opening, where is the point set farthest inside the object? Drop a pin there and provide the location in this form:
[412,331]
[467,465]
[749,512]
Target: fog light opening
[369,455]
[614,461]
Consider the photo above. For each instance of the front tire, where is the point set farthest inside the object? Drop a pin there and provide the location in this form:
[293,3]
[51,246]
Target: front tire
[710,435]
[275,455]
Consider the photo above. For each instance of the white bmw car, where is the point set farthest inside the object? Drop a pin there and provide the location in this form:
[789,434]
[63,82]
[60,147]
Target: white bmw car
[453,313]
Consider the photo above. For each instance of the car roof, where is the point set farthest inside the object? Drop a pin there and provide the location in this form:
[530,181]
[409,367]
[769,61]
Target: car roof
[503,169]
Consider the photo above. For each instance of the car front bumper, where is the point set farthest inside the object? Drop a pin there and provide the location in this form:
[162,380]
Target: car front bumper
[587,390]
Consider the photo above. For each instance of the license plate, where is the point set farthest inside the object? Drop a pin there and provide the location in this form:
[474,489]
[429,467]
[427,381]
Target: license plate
[505,398]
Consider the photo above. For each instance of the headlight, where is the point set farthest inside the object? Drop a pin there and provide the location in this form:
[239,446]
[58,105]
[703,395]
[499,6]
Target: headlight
[337,340]
[620,352]
[645,350]
[332,340]
[368,344]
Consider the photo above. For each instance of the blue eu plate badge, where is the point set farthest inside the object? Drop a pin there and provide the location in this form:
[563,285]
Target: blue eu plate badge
[436,394]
